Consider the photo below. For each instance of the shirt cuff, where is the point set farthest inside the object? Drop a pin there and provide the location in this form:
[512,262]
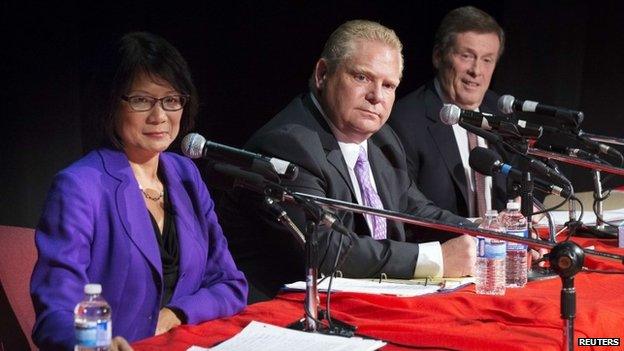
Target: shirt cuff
[429,262]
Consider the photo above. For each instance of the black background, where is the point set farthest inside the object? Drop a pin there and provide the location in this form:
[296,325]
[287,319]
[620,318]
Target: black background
[250,58]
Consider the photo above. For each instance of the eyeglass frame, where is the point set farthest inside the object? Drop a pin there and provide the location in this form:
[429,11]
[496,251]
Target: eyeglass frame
[154,100]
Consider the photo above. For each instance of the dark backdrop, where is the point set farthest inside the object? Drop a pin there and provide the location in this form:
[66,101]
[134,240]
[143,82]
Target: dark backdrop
[250,58]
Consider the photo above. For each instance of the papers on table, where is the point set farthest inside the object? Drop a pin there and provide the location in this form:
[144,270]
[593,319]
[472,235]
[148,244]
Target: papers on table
[259,336]
[589,218]
[398,287]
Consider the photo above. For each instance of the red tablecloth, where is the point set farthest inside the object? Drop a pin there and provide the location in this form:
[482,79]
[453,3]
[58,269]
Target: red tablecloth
[523,319]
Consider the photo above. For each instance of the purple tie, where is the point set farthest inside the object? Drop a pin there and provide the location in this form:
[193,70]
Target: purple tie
[369,195]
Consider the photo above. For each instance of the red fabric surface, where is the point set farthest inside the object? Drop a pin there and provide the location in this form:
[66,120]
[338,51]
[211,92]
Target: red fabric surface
[523,319]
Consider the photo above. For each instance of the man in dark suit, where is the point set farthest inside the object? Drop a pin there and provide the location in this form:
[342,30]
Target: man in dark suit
[467,46]
[336,133]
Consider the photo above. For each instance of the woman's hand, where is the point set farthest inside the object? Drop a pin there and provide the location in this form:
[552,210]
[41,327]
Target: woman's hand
[166,320]
[120,344]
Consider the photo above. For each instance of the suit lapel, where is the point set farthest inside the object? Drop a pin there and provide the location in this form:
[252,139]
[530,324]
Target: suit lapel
[328,140]
[131,207]
[192,248]
[444,138]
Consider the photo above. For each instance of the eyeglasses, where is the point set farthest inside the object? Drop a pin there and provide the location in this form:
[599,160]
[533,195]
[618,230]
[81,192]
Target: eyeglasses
[142,103]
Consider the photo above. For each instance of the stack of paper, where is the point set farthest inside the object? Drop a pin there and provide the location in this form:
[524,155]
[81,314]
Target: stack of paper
[260,336]
[406,288]
[589,218]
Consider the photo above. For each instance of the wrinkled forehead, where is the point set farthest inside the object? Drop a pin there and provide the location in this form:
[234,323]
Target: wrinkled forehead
[375,57]
[486,43]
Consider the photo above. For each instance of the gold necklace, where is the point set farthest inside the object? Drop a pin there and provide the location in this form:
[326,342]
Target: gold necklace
[152,194]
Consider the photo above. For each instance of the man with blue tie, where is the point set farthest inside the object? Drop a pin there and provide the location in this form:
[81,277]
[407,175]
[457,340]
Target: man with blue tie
[336,134]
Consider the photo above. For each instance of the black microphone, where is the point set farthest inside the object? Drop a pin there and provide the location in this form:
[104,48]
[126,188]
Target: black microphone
[486,162]
[451,114]
[598,147]
[507,104]
[196,146]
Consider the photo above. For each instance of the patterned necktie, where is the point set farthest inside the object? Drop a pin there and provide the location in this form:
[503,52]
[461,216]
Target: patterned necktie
[480,205]
[369,195]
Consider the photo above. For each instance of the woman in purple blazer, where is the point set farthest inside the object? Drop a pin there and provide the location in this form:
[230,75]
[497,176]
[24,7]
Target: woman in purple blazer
[134,218]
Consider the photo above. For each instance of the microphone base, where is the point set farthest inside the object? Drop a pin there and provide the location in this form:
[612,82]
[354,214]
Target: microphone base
[337,327]
[603,232]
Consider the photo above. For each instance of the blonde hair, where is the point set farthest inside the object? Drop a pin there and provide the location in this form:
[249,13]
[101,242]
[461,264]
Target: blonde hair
[341,43]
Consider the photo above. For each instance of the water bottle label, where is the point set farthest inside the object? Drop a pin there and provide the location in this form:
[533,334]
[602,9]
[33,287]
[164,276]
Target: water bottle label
[495,250]
[93,334]
[523,233]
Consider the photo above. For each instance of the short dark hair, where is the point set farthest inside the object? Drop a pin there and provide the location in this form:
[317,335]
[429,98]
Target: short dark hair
[465,19]
[139,53]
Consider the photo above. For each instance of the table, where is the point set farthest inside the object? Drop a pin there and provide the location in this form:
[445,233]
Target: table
[524,319]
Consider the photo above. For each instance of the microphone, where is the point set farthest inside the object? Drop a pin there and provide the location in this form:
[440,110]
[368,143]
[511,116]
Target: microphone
[196,146]
[598,147]
[451,114]
[486,162]
[507,104]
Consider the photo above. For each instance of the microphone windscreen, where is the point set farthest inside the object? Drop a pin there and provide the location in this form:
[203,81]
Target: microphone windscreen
[193,145]
[505,104]
[483,160]
[450,114]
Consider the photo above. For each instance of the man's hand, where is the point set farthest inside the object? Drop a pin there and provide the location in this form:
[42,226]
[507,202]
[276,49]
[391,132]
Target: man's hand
[120,344]
[166,320]
[459,255]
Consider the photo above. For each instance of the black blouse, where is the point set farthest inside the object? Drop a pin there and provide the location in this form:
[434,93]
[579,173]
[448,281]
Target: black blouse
[169,252]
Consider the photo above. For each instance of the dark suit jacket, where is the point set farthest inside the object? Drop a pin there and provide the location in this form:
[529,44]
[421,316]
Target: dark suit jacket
[95,228]
[432,153]
[270,256]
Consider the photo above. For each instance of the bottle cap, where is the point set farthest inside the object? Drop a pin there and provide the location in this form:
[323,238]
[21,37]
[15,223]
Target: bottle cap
[513,205]
[93,289]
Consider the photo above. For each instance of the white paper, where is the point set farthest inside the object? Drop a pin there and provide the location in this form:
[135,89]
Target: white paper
[589,218]
[259,336]
[371,287]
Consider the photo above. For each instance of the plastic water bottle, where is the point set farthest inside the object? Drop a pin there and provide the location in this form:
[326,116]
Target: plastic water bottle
[92,321]
[621,235]
[516,224]
[490,266]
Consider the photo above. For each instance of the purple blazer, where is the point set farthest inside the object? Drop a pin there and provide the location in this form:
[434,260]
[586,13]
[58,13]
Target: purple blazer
[95,228]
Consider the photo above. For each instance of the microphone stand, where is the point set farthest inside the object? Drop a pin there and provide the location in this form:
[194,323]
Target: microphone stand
[603,138]
[316,216]
[576,161]
[601,227]
[600,230]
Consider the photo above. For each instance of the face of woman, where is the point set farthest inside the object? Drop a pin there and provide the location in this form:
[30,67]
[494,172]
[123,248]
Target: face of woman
[145,134]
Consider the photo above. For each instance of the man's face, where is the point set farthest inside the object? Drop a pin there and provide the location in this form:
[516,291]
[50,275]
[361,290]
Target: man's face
[358,96]
[466,71]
